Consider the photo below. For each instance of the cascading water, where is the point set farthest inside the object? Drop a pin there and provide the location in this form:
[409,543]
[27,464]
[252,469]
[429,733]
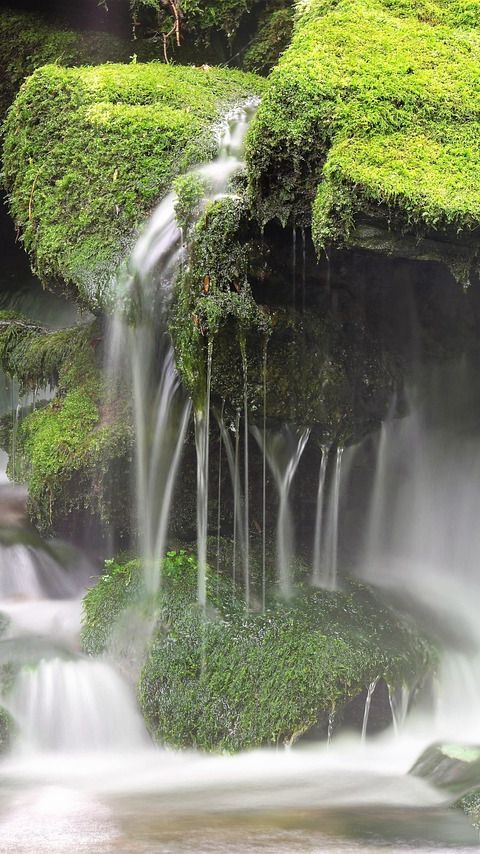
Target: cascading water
[64,703]
[318,538]
[284,451]
[143,349]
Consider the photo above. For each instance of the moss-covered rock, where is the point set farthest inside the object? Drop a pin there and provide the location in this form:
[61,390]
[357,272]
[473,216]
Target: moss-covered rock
[28,41]
[89,151]
[70,450]
[237,680]
[319,370]
[372,115]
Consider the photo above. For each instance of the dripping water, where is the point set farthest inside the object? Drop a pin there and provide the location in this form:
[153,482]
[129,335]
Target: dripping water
[329,580]
[368,702]
[317,579]
[284,451]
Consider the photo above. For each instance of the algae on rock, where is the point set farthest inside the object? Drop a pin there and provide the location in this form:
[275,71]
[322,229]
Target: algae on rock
[90,151]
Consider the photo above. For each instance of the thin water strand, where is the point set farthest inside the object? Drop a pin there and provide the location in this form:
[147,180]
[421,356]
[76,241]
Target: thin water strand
[319,518]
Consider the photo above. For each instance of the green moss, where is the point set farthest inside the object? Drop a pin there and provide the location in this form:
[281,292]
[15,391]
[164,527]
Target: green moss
[214,292]
[372,110]
[28,41]
[238,680]
[88,153]
[66,451]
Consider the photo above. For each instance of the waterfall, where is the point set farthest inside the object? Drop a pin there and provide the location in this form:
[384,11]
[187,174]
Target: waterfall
[140,348]
[328,577]
[368,702]
[317,543]
[74,705]
[419,525]
[398,699]
[202,444]
[284,451]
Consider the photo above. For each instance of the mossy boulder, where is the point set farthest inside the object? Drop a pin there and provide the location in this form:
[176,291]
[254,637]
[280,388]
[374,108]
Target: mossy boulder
[70,450]
[233,680]
[371,119]
[28,41]
[90,151]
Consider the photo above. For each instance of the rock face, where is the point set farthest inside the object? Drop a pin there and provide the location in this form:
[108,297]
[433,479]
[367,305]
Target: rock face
[370,123]
[453,768]
[237,680]
[89,151]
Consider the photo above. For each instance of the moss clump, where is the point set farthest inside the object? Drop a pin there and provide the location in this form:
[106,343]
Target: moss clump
[67,450]
[89,151]
[373,111]
[236,680]
[28,41]
[214,292]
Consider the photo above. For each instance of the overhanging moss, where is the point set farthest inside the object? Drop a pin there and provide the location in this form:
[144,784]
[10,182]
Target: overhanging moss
[236,680]
[374,107]
[89,151]
[66,451]
[318,372]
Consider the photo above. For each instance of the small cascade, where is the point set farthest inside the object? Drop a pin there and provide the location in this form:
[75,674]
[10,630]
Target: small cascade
[140,349]
[319,518]
[74,705]
[368,702]
[284,451]
[329,573]
[398,699]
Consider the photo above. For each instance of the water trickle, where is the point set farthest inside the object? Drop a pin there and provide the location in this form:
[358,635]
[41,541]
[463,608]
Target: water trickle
[202,444]
[398,699]
[237,496]
[330,572]
[317,578]
[368,702]
[284,451]
[331,727]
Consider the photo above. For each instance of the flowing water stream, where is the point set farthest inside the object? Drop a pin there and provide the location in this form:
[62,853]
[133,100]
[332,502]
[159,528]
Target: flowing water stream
[83,775]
